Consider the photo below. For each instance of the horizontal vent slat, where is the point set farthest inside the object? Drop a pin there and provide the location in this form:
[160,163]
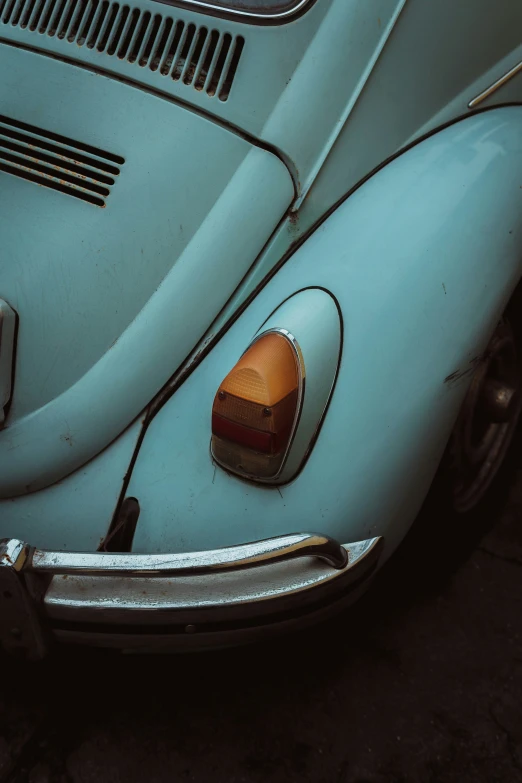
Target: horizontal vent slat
[62,176]
[206,60]
[69,155]
[24,126]
[51,183]
[57,162]
[49,159]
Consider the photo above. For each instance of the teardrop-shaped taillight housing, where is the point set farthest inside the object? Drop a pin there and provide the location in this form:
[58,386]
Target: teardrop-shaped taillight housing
[256,408]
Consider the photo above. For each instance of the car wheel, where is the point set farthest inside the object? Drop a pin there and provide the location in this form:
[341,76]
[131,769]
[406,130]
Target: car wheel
[484,451]
[478,455]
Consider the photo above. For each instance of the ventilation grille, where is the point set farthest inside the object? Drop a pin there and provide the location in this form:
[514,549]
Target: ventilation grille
[56,162]
[204,59]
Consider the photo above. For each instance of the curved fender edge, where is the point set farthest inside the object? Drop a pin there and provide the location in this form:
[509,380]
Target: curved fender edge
[422,259]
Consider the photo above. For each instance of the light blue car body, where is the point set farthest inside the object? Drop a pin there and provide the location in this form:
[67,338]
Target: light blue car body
[345,158]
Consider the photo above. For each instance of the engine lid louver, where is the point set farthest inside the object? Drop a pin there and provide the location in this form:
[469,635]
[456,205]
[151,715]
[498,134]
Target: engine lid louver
[57,162]
[206,60]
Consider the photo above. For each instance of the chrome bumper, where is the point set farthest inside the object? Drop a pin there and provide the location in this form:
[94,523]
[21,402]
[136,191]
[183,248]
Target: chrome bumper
[214,598]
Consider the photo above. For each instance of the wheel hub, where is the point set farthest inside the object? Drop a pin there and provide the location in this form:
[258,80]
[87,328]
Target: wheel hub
[497,398]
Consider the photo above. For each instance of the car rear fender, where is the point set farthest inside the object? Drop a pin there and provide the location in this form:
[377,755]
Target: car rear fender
[421,259]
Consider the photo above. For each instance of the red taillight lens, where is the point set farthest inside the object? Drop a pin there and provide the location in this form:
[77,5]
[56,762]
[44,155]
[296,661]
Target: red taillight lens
[256,407]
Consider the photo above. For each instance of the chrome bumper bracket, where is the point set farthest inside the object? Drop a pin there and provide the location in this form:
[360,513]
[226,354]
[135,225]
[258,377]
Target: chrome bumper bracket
[21,630]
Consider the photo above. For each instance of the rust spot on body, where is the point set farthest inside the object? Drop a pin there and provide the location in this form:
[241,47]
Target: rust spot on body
[293,224]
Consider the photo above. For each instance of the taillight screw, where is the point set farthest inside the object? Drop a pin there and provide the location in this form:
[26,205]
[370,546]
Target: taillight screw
[267,411]
[222,395]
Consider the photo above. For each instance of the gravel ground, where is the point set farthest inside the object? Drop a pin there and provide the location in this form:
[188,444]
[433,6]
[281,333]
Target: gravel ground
[422,681]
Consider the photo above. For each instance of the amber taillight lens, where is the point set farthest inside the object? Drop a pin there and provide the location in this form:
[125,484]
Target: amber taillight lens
[255,409]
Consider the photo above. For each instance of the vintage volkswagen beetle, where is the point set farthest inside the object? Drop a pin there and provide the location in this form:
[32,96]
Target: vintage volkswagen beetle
[254,259]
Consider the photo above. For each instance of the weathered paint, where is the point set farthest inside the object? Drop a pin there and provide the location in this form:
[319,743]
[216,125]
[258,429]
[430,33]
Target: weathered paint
[102,295]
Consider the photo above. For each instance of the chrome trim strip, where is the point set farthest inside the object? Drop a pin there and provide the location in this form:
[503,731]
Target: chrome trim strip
[495,86]
[259,553]
[224,10]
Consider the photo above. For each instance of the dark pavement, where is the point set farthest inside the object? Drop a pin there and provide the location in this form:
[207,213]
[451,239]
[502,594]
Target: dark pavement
[422,681]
